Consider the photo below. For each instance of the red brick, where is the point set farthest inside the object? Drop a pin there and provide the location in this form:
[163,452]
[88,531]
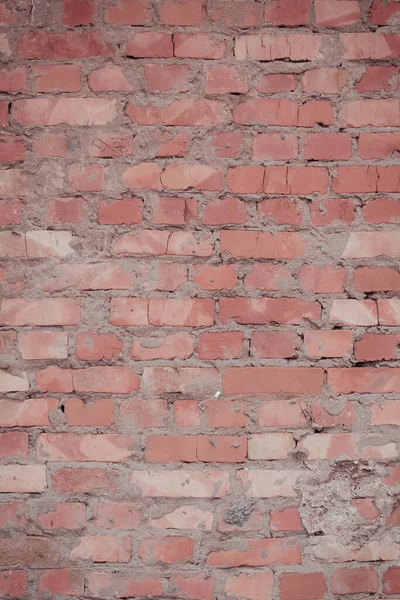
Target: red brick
[99,582]
[144,414]
[391,581]
[109,79]
[375,347]
[284,211]
[13,515]
[167,550]
[354,581]
[197,586]
[226,211]
[324,419]
[225,80]
[96,276]
[302,586]
[394,518]
[4,114]
[110,145]
[378,78]
[274,344]
[295,180]
[127,211]
[171,346]
[224,345]
[70,447]
[67,45]
[366,380]
[13,383]
[345,446]
[53,144]
[257,586]
[102,548]
[382,210]
[10,212]
[379,113]
[286,519]
[97,413]
[117,515]
[14,444]
[336,13]
[258,553]
[327,146]
[332,210]
[373,46]
[13,584]
[173,144]
[262,244]
[266,47]
[286,12]
[44,312]
[174,211]
[378,145]
[226,449]
[61,581]
[130,12]
[323,279]
[389,312]
[267,310]
[70,111]
[95,481]
[37,345]
[384,13]
[354,312]
[149,44]
[225,414]
[245,179]
[6,15]
[89,178]
[282,413]
[245,13]
[173,13]
[185,312]
[275,146]
[200,177]
[165,78]
[22,478]
[173,448]
[385,413]
[266,276]
[273,83]
[272,380]
[97,346]
[66,515]
[368,244]
[14,81]
[270,446]
[199,45]
[13,183]
[65,210]
[79,12]
[187,413]
[328,344]
[324,80]
[376,279]
[57,78]
[221,277]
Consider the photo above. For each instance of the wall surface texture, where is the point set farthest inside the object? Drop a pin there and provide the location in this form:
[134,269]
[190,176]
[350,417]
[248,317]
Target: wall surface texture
[199,343]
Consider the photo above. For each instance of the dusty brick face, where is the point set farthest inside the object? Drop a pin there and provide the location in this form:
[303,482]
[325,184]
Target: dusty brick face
[199,311]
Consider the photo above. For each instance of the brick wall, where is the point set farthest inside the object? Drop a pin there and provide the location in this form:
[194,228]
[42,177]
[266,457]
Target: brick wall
[199,376]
